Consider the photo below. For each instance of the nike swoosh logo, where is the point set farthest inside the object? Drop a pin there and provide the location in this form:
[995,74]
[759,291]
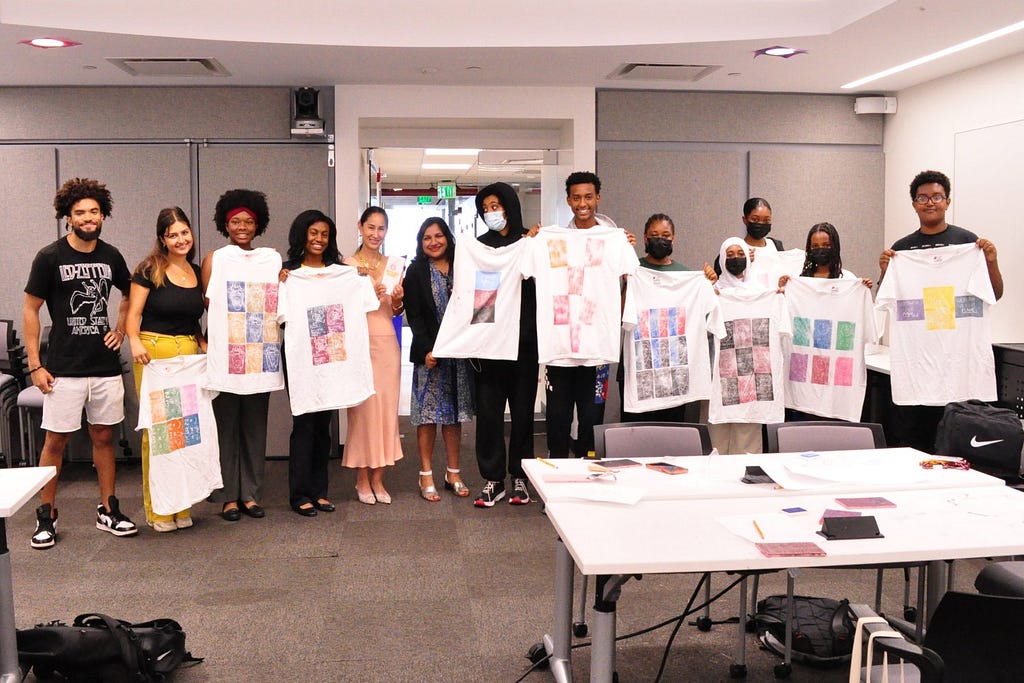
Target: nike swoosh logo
[978,444]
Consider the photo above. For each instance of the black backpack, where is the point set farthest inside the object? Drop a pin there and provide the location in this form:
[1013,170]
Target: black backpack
[989,438]
[99,649]
[822,629]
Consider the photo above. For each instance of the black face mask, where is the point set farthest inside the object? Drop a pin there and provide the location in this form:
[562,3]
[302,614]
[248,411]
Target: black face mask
[658,247]
[822,256]
[758,230]
[736,266]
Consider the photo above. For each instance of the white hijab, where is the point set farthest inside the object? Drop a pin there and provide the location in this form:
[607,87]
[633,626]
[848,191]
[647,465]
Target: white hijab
[727,279]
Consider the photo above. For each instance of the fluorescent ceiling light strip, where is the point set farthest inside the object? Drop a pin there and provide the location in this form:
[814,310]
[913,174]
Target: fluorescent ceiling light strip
[436,152]
[999,33]
[446,167]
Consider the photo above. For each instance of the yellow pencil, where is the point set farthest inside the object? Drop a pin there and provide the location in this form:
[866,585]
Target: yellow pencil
[547,462]
[758,528]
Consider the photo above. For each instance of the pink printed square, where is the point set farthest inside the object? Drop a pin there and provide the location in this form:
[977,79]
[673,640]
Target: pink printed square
[336,347]
[595,251]
[748,388]
[575,340]
[484,297]
[189,399]
[157,407]
[819,369]
[680,321]
[575,280]
[741,333]
[320,354]
[560,308]
[587,314]
[236,359]
[727,363]
[844,372]
[270,297]
[335,318]
[663,323]
[762,360]
[644,324]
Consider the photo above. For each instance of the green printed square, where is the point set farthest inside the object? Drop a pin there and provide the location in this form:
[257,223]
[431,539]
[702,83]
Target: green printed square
[801,331]
[172,399]
[845,331]
[159,440]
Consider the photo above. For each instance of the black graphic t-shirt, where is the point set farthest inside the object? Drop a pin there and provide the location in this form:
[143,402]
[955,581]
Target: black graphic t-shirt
[76,287]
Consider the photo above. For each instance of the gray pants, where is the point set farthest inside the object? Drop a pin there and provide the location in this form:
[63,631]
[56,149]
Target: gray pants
[242,436]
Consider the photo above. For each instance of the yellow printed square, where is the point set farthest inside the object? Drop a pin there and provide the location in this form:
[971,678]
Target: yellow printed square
[271,330]
[558,254]
[939,308]
[253,359]
[236,328]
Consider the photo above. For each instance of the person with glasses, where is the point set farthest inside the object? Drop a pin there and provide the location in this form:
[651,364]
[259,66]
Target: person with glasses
[916,425]
[757,219]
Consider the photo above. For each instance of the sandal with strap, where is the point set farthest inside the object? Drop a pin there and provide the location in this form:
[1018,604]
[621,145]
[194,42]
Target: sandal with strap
[429,493]
[459,488]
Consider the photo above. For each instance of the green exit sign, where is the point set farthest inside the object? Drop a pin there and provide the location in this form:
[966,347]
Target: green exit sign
[424,199]
[446,191]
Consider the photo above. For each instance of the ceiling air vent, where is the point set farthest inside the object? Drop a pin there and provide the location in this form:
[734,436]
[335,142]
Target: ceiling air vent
[170,67]
[683,73]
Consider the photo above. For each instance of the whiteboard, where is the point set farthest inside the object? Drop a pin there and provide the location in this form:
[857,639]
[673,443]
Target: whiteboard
[988,163]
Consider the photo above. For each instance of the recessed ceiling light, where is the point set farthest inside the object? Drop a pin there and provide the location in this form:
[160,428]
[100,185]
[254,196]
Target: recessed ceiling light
[779,51]
[47,43]
[446,167]
[441,152]
[998,33]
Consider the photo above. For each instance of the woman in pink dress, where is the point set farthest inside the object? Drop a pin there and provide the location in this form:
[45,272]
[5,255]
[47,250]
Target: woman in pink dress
[373,441]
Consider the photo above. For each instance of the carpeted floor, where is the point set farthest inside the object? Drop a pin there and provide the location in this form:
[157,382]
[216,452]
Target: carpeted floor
[414,591]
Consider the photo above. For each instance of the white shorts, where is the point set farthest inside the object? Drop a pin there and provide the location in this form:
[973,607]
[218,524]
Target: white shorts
[102,398]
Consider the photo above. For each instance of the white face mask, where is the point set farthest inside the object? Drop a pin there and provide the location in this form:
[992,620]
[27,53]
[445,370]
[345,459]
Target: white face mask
[495,220]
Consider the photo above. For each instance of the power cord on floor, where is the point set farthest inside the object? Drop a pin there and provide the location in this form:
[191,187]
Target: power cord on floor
[678,620]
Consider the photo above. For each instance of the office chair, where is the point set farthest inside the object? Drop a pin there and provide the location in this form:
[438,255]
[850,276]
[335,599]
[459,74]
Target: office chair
[1001,578]
[9,387]
[642,440]
[971,637]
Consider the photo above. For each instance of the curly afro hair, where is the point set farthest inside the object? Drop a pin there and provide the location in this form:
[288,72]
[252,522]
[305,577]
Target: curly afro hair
[254,201]
[77,189]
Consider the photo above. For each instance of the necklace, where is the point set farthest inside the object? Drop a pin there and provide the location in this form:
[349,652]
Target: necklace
[366,264]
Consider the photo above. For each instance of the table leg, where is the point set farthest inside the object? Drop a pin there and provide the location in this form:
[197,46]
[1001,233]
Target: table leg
[9,670]
[559,643]
[935,586]
[602,643]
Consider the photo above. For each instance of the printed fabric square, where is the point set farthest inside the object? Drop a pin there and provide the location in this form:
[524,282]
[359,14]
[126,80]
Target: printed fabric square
[801,331]
[157,407]
[744,361]
[595,251]
[560,309]
[762,360]
[727,363]
[846,333]
[819,369]
[844,372]
[798,367]
[335,314]
[969,306]
[681,379]
[253,358]
[747,388]
[763,388]
[176,434]
[588,311]
[741,333]
[484,301]
[236,328]
[643,354]
[253,328]
[575,280]
[728,341]
[336,347]
[271,357]
[823,334]
[677,348]
[645,384]
[663,331]
[730,391]
[939,308]
[557,254]
[236,296]
[316,316]
[255,297]
[172,401]
[270,291]
[159,443]
[908,310]
[680,320]
[664,358]
[320,354]
[193,435]
[760,331]
[271,330]
[663,384]
[643,324]
[189,399]
[236,359]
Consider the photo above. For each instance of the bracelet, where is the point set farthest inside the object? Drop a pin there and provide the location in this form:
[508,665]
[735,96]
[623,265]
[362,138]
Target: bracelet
[38,367]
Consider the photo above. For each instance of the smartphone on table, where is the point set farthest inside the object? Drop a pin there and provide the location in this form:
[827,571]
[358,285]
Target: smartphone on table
[667,468]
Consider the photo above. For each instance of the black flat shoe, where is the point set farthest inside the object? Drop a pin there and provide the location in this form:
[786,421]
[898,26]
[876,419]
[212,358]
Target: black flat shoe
[305,512]
[253,510]
[326,506]
[231,514]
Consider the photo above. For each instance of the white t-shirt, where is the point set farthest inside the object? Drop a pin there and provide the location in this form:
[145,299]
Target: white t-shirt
[243,334]
[327,342]
[482,318]
[184,457]
[749,368]
[666,361]
[832,320]
[770,264]
[578,296]
[940,327]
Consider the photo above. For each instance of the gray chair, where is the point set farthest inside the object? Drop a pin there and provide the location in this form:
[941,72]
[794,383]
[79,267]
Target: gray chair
[795,437]
[1002,578]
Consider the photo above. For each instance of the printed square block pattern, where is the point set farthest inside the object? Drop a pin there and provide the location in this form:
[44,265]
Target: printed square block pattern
[844,372]
[798,367]
[801,331]
[558,254]
[819,369]
[560,309]
[846,333]
[939,308]
[908,310]
[595,252]
[823,334]
[969,306]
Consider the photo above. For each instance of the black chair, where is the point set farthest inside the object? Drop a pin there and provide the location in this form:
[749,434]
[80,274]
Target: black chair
[971,637]
[1001,578]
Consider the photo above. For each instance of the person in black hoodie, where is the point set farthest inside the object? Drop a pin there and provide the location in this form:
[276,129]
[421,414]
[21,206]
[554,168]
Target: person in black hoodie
[506,381]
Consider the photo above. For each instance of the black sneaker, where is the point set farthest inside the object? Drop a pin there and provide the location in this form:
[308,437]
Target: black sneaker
[46,532]
[520,494]
[114,521]
[492,493]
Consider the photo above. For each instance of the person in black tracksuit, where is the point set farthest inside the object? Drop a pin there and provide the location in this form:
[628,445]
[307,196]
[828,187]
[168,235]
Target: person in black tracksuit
[506,381]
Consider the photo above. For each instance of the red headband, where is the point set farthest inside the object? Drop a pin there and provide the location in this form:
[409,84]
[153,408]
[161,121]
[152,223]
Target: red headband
[234,212]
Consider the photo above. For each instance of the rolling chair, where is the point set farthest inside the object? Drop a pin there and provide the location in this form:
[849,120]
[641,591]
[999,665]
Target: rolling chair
[10,384]
[971,637]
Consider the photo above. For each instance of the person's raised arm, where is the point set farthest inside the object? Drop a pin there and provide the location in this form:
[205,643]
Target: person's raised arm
[992,261]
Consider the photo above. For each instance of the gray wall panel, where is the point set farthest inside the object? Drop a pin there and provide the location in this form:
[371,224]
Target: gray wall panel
[701,191]
[139,113]
[844,188]
[638,115]
[26,193]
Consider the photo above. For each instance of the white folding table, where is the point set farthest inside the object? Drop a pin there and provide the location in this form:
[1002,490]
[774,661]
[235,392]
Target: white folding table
[17,486]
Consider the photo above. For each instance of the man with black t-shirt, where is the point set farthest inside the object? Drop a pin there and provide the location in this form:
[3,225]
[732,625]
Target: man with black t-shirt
[930,194]
[73,277]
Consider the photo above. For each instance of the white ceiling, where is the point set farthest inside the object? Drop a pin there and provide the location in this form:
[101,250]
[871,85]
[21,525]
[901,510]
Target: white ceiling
[523,43]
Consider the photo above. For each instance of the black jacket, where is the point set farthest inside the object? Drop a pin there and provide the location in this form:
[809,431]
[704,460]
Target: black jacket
[420,312]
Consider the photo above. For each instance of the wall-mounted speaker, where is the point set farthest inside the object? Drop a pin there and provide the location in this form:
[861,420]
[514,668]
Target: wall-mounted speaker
[306,112]
[874,105]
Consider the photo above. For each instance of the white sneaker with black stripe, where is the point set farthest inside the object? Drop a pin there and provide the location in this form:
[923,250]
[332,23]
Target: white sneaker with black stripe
[520,494]
[114,521]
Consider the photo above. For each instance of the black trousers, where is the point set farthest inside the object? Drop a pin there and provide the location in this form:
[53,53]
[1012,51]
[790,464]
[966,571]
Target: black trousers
[499,382]
[568,389]
[242,436]
[309,448]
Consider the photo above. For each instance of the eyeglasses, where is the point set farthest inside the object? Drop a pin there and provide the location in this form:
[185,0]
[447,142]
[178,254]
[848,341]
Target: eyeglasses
[924,199]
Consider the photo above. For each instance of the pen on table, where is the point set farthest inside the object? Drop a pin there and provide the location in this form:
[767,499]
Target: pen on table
[547,462]
[758,529]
